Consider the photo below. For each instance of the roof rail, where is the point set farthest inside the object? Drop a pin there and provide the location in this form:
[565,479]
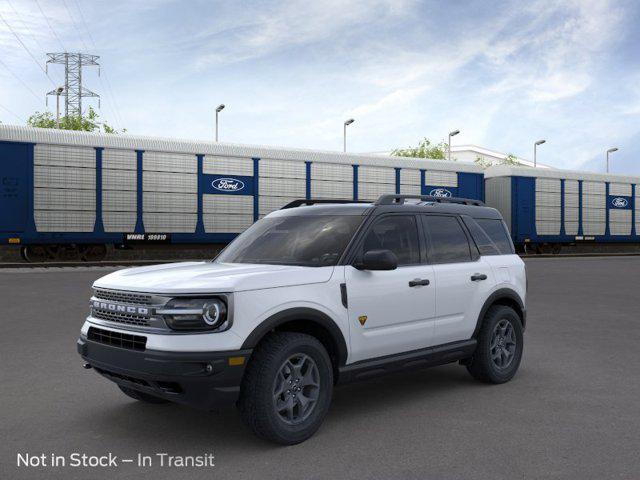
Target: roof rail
[315,201]
[400,199]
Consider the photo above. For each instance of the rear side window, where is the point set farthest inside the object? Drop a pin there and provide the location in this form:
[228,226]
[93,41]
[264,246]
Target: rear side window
[483,242]
[397,233]
[446,240]
[497,232]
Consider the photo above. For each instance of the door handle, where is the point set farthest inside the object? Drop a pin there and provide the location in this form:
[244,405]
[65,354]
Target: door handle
[418,282]
[478,276]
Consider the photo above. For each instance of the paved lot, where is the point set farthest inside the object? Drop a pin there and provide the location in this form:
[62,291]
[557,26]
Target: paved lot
[573,411]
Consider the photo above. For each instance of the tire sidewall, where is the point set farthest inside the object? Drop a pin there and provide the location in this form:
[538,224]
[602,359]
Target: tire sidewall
[495,374]
[302,431]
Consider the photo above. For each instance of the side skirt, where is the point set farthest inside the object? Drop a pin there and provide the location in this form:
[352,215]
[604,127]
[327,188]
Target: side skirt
[426,357]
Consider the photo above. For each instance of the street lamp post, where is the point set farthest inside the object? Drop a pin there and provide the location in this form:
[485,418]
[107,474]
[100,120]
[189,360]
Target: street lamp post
[535,152]
[344,133]
[59,91]
[611,150]
[219,108]
[451,134]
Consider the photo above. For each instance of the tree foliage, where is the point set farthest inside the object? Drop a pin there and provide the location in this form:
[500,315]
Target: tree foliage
[425,149]
[510,159]
[87,123]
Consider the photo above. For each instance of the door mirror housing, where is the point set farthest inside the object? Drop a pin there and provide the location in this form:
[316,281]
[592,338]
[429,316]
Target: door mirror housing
[378,260]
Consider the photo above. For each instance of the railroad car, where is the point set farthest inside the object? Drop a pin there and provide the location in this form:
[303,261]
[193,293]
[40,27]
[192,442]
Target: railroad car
[67,193]
[546,209]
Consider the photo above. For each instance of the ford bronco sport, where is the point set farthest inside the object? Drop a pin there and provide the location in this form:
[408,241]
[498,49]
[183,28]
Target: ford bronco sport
[315,294]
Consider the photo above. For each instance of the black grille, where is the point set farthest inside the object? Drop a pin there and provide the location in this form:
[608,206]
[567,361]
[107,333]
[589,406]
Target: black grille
[117,339]
[117,376]
[126,318]
[123,297]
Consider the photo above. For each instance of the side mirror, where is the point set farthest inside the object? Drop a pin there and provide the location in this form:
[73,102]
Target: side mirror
[378,260]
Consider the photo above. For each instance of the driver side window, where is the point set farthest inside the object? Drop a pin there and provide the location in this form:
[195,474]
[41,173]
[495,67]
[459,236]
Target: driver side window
[397,233]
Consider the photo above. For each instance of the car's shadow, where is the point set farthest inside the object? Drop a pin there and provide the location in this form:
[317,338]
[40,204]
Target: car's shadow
[145,423]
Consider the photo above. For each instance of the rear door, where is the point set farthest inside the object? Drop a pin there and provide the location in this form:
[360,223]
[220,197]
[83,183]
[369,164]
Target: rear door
[463,279]
[13,186]
[391,311]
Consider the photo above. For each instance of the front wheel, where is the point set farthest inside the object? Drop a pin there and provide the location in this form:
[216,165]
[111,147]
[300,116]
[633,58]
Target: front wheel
[287,388]
[500,346]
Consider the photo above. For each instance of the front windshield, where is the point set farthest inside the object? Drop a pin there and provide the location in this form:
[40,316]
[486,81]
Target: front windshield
[311,241]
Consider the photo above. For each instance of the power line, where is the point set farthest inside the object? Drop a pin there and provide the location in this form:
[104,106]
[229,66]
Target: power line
[26,27]
[73,22]
[50,27]
[110,97]
[27,49]
[20,80]
[12,113]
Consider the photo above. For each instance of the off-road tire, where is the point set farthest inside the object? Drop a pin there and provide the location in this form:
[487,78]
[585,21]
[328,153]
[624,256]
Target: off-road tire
[481,366]
[141,396]
[256,403]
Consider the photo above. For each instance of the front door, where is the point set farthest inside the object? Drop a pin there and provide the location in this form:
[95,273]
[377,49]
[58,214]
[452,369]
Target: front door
[391,311]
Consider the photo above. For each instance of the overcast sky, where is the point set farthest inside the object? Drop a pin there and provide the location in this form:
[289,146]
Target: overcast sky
[504,73]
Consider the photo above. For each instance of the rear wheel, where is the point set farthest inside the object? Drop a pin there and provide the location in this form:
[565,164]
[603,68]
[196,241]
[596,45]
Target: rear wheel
[500,346]
[287,388]
[141,396]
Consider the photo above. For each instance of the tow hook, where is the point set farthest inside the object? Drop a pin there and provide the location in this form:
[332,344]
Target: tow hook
[87,366]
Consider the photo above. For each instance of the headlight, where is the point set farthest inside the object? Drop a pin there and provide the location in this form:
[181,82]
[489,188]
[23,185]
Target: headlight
[196,314]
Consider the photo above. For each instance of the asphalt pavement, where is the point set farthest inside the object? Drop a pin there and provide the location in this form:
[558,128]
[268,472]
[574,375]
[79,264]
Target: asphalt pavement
[572,411]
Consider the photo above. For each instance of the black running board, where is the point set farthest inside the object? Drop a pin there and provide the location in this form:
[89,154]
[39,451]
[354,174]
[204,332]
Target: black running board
[426,357]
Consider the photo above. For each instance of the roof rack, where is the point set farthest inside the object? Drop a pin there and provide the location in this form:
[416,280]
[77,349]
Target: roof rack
[315,201]
[400,199]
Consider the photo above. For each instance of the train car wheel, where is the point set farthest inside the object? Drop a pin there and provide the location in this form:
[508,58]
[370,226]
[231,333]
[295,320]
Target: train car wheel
[34,253]
[556,248]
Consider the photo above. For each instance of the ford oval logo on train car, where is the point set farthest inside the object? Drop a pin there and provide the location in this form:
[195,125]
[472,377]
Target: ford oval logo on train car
[440,192]
[620,202]
[228,184]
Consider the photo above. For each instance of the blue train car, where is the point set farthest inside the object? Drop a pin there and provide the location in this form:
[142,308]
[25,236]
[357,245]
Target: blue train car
[65,191]
[548,208]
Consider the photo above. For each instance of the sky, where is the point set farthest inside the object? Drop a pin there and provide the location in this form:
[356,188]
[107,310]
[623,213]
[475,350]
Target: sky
[505,73]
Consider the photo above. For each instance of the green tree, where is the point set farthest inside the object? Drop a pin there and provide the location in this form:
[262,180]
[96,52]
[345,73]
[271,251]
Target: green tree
[510,159]
[425,149]
[87,123]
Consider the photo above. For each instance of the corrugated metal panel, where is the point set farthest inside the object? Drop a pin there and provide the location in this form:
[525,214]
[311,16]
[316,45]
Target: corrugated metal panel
[593,228]
[409,176]
[594,215]
[547,227]
[218,223]
[64,177]
[332,171]
[594,201]
[119,221]
[548,199]
[169,162]
[620,189]
[548,213]
[595,188]
[227,166]
[281,169]
[498,196]
[269,204]
[119,180]
[411,189]
[547,185]
[376,175]
[331,189]
[441,179]
[119,159]
[283,187]
[371,191]
[64,199]
[506,170]
[571,186]
[170,202]
[64,220]
[620,221]
[231,204]
[130,142]
[170,222]
[571,200]
[169,182]
[119,201]
[572,214]
[64,156]
[571,228]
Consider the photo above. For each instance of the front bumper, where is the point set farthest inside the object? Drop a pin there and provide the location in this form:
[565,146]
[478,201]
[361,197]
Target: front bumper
[204,380]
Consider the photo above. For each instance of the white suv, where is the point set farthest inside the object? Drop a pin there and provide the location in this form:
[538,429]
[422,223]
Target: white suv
[315,294]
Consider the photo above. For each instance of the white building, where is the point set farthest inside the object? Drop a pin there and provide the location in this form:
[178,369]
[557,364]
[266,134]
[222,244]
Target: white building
[469,154]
